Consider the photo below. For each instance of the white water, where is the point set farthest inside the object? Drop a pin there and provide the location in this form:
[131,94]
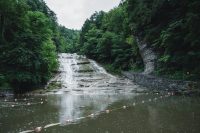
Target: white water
[67,78]
[85,83]
[80,74]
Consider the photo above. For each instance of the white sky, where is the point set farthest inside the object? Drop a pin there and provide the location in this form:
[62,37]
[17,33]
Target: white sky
[73,13]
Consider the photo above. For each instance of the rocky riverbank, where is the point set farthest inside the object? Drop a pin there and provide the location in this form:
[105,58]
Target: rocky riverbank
[180,87]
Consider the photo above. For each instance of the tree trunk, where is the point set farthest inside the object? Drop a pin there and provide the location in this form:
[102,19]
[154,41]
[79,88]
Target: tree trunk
[148,55]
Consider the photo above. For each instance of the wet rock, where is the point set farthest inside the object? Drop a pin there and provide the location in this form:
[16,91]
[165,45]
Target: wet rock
[81,85]
[82,63]
[84,71]
[119,89]
[85,68]
[54,85]
[120,84]
[86,86]
[86,80]
[108,85]
[77,90]
[139,91]
[84,75]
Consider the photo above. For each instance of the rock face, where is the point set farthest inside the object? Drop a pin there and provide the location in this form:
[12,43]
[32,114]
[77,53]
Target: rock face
[148,55]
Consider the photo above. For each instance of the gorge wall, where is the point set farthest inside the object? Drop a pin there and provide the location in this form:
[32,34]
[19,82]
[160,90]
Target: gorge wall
[148,55]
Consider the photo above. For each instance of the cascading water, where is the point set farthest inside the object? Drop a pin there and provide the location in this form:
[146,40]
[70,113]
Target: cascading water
[67,70]
[81,74]
[84,83]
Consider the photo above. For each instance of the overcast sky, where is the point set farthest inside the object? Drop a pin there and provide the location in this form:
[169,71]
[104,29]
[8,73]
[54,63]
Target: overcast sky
[73,13]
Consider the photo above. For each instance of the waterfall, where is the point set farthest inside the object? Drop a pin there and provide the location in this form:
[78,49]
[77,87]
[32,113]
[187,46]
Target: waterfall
[80,74]
[68,63]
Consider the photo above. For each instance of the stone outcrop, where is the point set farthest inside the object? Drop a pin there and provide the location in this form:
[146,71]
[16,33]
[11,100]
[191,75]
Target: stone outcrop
[148,55]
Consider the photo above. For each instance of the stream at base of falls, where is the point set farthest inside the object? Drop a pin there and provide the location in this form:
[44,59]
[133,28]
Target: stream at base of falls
[115,104]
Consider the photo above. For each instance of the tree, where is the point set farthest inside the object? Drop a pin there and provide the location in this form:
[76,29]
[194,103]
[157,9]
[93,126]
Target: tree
[28,54]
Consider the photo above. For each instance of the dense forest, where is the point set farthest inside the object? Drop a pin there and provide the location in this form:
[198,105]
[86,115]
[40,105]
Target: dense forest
[30,39]
[169,27]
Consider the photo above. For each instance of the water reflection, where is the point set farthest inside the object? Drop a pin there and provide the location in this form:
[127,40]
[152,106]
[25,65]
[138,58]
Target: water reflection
[170,115]
[73,106]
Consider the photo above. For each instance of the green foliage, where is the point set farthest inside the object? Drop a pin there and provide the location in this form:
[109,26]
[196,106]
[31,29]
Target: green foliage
[171,28]
[49,57]
[164,58]
[66,39]
[2,79]
[112,69]
[71,38]
[54,85]
[28,53]
[106,38]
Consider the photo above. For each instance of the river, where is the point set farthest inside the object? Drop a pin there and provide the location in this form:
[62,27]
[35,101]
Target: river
[90,100]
